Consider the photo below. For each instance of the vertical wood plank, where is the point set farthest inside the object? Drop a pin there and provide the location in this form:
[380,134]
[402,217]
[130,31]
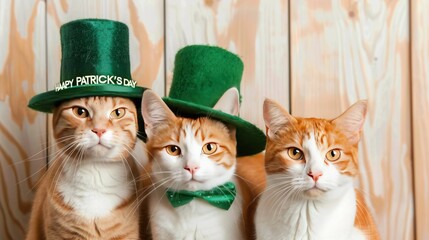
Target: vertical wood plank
[145,20]
[258,32]
[343,51]
[420,94]
[255,30]
[22,131]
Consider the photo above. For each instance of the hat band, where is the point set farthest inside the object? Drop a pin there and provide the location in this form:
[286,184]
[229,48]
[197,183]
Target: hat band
[95,80]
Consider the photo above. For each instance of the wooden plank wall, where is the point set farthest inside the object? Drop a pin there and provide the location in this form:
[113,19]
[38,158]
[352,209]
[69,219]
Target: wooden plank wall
[314,57]
[420,99]
[343,51]
[255,30]
[30,64]
[22,131]
[145,20]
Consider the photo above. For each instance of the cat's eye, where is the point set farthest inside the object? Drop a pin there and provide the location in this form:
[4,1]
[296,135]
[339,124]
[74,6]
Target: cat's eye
[117,113]
[333,155]
[209,148]
[295,153]
[80,112]
[173,150]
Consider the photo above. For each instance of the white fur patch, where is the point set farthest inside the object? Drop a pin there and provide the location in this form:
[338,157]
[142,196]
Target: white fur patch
[198,219]
[95,189]
[294,218]
[208,176]
[285,211]
[314,158]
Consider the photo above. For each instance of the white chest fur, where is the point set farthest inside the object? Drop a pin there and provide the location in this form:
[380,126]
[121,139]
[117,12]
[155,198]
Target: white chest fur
[195,220]
[95,189]
[307,219]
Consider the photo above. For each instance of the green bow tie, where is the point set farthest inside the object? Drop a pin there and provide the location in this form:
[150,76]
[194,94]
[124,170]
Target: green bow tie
[221,196]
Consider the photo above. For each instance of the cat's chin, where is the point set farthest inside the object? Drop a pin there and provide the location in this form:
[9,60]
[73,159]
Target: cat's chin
[98,150]
[100,147]
[194,185]
[314,193]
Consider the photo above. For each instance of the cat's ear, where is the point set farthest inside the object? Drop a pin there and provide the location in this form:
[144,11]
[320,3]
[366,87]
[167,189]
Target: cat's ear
[229,102]
[276,117]
[155,112]
[351,121]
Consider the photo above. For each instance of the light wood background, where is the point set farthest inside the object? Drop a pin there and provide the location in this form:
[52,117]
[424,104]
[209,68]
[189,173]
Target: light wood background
[315,57]
[343,51]
[22,131]
[420,113]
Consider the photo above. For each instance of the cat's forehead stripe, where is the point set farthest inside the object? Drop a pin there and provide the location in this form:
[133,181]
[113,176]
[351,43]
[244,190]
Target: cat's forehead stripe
[196,127]
[184,130]
[315,128]
[323,135]
[197,132]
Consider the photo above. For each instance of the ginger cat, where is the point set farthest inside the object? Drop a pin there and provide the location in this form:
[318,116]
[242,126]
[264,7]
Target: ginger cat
[192,156]
[311,164]
[89,190]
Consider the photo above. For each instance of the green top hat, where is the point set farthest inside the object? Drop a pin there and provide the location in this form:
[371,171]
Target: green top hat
[202,74]
[95,62]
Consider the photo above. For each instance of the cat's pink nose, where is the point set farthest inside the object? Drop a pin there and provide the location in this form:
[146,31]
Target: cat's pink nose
[99,132]
[315,175]
[192,170]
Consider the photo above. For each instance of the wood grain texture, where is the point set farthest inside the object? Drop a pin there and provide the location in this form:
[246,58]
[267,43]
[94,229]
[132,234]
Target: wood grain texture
[340,51]
[145,20]
[420,99]
[22,131]
[343,51]
[255,30]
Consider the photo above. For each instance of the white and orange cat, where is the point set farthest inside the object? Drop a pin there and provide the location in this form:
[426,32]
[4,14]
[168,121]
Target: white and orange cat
[89,189]
[311,164]
[191,155]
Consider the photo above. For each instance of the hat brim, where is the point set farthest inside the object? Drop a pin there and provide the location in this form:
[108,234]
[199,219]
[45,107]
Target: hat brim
[250,139]
[47,101]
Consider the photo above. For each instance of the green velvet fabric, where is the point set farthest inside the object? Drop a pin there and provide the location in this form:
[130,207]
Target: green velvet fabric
[92,47]
[201,76]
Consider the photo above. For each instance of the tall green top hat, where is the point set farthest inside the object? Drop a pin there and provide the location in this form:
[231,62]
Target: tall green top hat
[202,74]
[95,62]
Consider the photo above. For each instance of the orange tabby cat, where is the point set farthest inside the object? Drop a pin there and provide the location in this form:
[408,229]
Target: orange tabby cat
[89,190]
[311,164]
[193,156]
[252,179]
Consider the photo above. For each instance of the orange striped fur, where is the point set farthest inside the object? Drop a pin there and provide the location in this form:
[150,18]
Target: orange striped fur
[53,217]
[204,129]
[252,180]
[285,132]
[326,136]
[364,220]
